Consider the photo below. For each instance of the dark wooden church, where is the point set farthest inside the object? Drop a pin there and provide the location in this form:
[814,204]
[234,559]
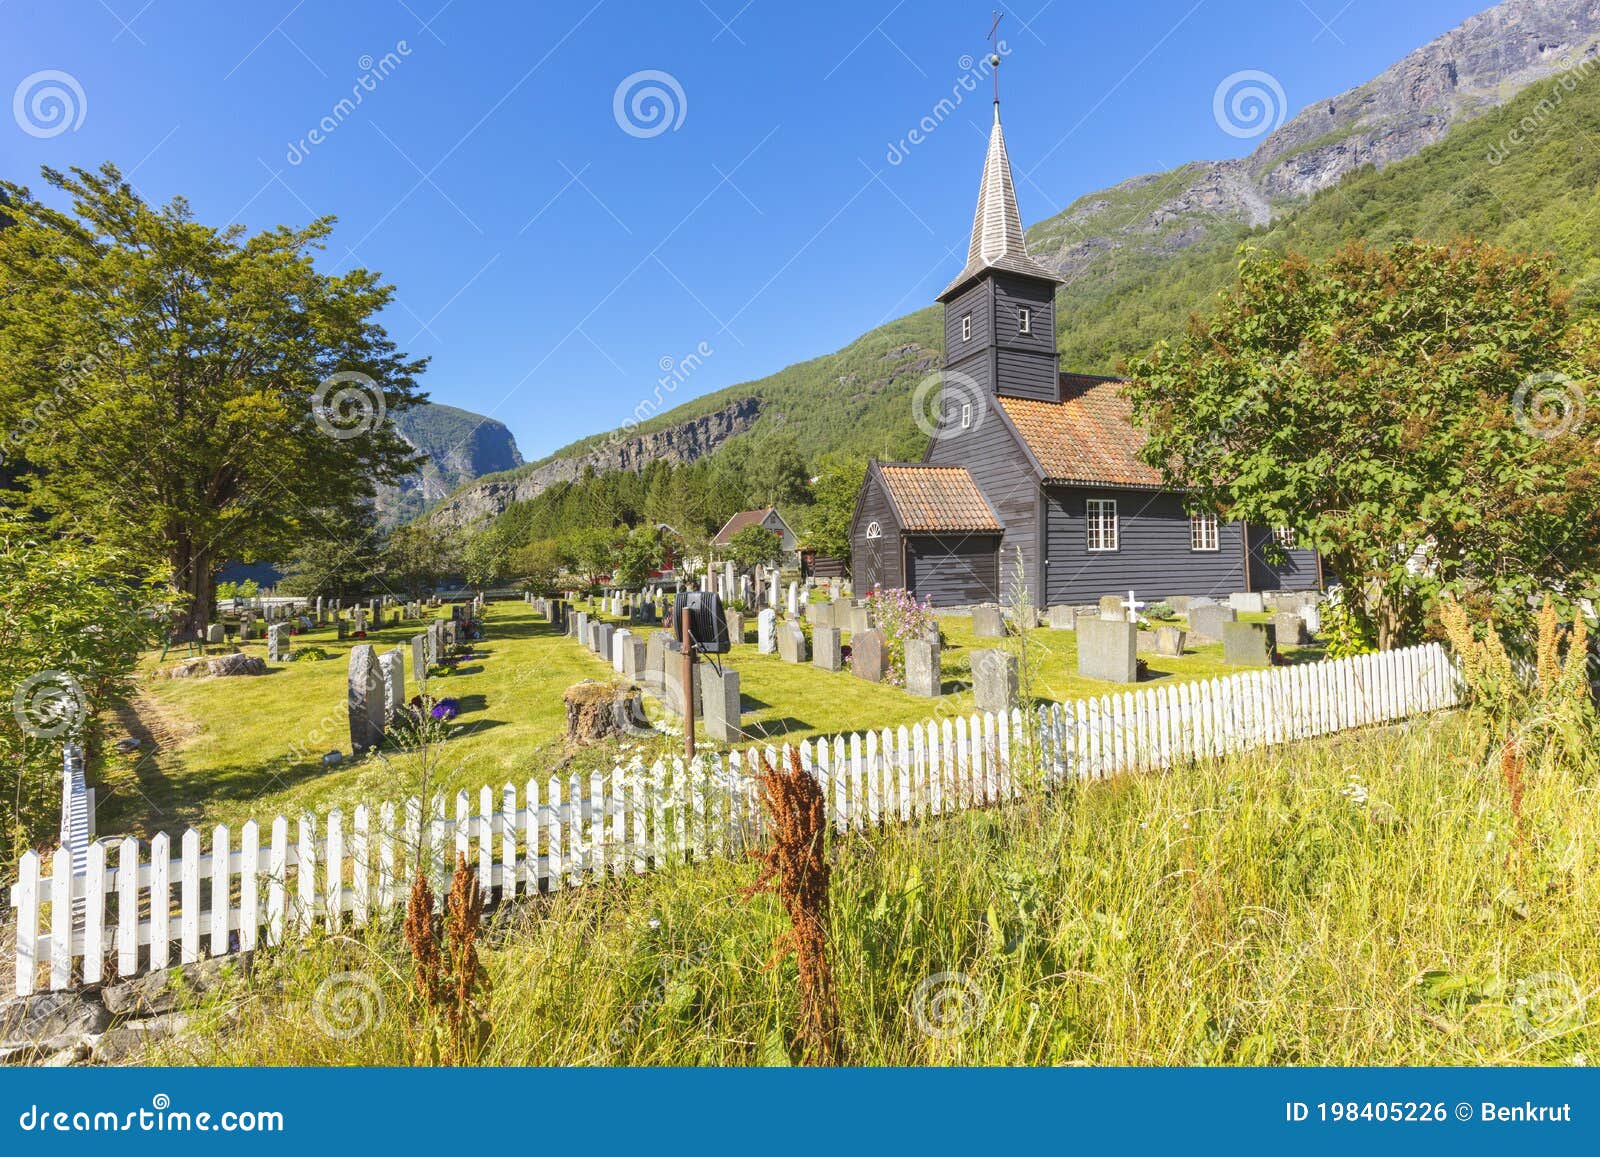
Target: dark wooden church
[1035,465]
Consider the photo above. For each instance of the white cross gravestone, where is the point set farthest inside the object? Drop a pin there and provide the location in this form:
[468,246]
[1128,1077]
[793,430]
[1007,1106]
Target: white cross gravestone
[1134,607]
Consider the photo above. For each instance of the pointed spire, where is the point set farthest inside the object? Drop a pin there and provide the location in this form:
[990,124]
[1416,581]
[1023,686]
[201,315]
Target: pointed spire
[997,241]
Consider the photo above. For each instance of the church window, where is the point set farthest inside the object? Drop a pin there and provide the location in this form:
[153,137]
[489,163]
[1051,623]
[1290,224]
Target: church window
[966,327]
[1102,523]
[1024,320]
[1203,532]
[1285,536]
[966,415]
[874,530]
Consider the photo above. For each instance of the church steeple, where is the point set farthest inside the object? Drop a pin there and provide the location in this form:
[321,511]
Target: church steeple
[997,241]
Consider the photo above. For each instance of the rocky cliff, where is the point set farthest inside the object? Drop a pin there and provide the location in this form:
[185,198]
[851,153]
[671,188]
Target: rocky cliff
[683,442]
[461,446]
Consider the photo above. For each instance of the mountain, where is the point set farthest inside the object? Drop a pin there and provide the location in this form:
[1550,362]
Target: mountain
[461,447]
[1420,150]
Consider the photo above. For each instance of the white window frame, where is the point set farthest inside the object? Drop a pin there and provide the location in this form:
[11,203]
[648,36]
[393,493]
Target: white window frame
[1204,534]
[1102,532]
[966,415]
[966,327]
[1024,320]
[874,529]
[1285,537]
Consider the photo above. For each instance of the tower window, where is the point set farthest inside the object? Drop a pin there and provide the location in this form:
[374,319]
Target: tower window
[1102,524]
[874,530]
[966,415]
[1203,532]
[1024,320]
[966,327]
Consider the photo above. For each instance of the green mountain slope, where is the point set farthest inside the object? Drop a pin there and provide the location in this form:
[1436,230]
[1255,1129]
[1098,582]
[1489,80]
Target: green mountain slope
[461,447]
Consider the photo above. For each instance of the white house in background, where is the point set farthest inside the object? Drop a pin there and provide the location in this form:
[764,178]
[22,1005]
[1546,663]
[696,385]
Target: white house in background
[768,518]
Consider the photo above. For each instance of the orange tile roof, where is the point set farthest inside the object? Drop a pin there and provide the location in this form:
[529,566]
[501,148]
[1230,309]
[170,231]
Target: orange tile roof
[1088,437]
[937,498]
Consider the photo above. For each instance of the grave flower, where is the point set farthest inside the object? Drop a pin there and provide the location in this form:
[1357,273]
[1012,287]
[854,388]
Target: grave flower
[446,710]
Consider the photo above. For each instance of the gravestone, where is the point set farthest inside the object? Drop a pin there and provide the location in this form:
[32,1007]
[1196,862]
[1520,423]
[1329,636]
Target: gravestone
[1063,618]
[1170,640]
[580,627]
[602,640]
[216,633]
[439,632]
[364,699]
[619,641]
[994,679]
[1108,650]
[247,629]
[635,655]
[319,608]
[766,631]
[1247,602]
[825,649]
[1146,642]
[1112,609]
[1290,629]
[343,629]
[393,666]
[719,694]
[923,675]
[1179,603]
[360,619]
[869,655]
[860,620]
[673,682]
[820,614]
[419,656]
[278,643]
[791,642]
[1312,614]
[988,623]
[735,627]
[1248,644]
[794,600]
[452,632]
[1206,623]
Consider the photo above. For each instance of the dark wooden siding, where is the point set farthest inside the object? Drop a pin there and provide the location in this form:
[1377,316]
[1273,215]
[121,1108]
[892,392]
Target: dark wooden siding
[975,357]
[1153,558]
[1297,572]
[1026,364]
[875,562]
[953,570]
[1002,472]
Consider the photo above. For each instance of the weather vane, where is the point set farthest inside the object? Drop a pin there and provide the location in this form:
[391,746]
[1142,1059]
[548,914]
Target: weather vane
[994,57]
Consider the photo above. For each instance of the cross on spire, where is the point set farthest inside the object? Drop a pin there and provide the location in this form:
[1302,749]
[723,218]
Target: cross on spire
[994,59]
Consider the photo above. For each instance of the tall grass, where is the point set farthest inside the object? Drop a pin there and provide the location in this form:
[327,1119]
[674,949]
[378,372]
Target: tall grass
[1342,902]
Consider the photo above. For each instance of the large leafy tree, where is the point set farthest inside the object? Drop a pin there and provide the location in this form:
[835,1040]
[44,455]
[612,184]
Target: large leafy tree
[1423,415]
[827,524]
[419,556]
[342,567]
[188,390]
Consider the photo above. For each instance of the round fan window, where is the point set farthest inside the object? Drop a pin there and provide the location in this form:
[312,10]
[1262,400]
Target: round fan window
[874,530]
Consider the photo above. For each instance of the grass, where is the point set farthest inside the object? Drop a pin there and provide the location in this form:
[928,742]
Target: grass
[1349,901]
[227,750]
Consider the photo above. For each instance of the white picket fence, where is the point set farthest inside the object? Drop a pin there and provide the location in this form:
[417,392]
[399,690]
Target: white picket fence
[129,908]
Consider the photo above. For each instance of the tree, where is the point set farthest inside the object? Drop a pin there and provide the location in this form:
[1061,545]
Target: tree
[342,567]
[638,554]
[593,552]
[827,524]
[484,559]
[753,546]
[538,565]
[189,390]
[1421,415]
[418,556]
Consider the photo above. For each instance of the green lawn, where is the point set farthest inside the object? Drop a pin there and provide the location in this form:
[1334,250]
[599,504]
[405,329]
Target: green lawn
[224,750]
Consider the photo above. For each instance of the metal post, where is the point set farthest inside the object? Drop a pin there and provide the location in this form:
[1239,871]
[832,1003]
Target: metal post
[686,640]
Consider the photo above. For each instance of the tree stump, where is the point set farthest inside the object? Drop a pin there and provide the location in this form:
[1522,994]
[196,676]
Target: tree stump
[595,710]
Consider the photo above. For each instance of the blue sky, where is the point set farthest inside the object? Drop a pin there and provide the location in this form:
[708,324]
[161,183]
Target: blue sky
[552,248]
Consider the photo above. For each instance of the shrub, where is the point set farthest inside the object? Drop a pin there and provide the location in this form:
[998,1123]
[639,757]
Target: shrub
[900,617]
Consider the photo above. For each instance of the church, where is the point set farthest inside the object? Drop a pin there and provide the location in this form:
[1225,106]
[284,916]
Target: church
[1032,468]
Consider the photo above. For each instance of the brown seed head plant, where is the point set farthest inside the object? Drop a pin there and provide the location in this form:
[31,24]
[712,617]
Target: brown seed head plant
[451,983]
[796,868]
